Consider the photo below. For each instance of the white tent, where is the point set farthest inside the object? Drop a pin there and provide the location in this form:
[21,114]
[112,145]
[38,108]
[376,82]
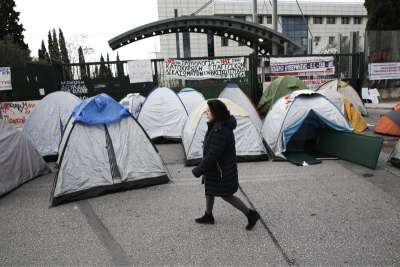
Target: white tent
[249,142]
[300,115]
[345,90]
[163,114]
[133,102]
[104,149]
[190,98]
[46,122]
[19,160]
[329,90]
[351,94]
[235,94]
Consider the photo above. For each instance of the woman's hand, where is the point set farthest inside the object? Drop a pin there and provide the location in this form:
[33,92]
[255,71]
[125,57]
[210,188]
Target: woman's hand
[196,172]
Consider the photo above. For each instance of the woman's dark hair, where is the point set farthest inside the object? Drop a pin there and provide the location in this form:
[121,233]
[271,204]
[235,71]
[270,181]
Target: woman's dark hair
[218,109]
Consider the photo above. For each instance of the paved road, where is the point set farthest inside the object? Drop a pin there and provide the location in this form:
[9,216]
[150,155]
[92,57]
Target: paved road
[335,213]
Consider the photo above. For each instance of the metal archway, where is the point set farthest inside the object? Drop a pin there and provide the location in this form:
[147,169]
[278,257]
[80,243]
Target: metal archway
[247,33]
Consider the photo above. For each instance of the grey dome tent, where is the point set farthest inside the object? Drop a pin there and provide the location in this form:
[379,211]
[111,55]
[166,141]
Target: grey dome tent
[19,160]
[190,98]
[133,102]
[298,117]
[249,142]
[345,90]
[104,149]
[163,115]
[235,94]
[47,121]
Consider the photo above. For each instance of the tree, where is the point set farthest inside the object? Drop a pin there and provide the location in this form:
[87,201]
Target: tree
[50,46]
[383,15]
[103,72]
[64,55]
[109,72]
[120,67]
[10,28]
[43,54]
[63,48]
[82,64]
[12,55]
[13,50]
[56,50]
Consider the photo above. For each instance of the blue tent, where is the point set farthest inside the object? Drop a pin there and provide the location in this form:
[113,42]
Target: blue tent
[99,109]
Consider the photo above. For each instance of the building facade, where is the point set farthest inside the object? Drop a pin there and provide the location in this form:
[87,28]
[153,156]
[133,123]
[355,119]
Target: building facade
[323,27]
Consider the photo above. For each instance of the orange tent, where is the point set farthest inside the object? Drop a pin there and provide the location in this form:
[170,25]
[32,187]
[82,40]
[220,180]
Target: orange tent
[389,124]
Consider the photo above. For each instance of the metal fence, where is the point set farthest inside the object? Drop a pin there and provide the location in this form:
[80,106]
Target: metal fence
[112,78]
[383,46]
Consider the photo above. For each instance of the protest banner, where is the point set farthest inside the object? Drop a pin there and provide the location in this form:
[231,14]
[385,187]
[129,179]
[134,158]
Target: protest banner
[16,113]
[140,71]
[384,71]
[316,83]
[5,78]
[201,69]
[302,66]
[75,87]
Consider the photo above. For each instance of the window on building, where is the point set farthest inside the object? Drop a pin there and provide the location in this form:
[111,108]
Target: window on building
[317,20]
[345,20]
[345,39]
[224,41]
[330,20]
[269,19]
[260,19]
[357,20]
[295,28]
[331,40]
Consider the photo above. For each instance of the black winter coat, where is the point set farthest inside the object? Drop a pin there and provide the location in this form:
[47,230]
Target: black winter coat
[218,166]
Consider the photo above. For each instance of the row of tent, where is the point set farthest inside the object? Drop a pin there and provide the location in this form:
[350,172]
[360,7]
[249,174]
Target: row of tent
[341,94]
[101,147]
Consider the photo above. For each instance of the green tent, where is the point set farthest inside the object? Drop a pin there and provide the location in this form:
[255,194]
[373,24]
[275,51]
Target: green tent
[278,88]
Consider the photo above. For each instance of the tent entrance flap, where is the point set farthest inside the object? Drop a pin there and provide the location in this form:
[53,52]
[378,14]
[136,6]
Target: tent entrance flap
[302,136]
[356,148]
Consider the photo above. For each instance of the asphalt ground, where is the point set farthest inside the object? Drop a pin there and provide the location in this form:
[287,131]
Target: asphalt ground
[334,213]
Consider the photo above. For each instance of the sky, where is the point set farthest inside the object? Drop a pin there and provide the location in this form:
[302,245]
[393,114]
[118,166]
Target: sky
[100,20]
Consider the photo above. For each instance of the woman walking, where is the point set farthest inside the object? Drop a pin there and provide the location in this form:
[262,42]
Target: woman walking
[218,166]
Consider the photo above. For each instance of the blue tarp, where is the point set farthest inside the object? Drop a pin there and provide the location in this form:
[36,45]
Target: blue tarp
[99,109]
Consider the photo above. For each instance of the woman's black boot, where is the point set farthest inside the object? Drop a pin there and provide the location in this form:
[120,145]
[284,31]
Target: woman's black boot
[206,219]
[253,217]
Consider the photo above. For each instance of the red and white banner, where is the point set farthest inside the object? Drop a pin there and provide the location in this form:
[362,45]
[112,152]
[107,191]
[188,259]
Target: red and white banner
[315,84]
[384,71]
[302,66]
[5,78]
[16,113]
